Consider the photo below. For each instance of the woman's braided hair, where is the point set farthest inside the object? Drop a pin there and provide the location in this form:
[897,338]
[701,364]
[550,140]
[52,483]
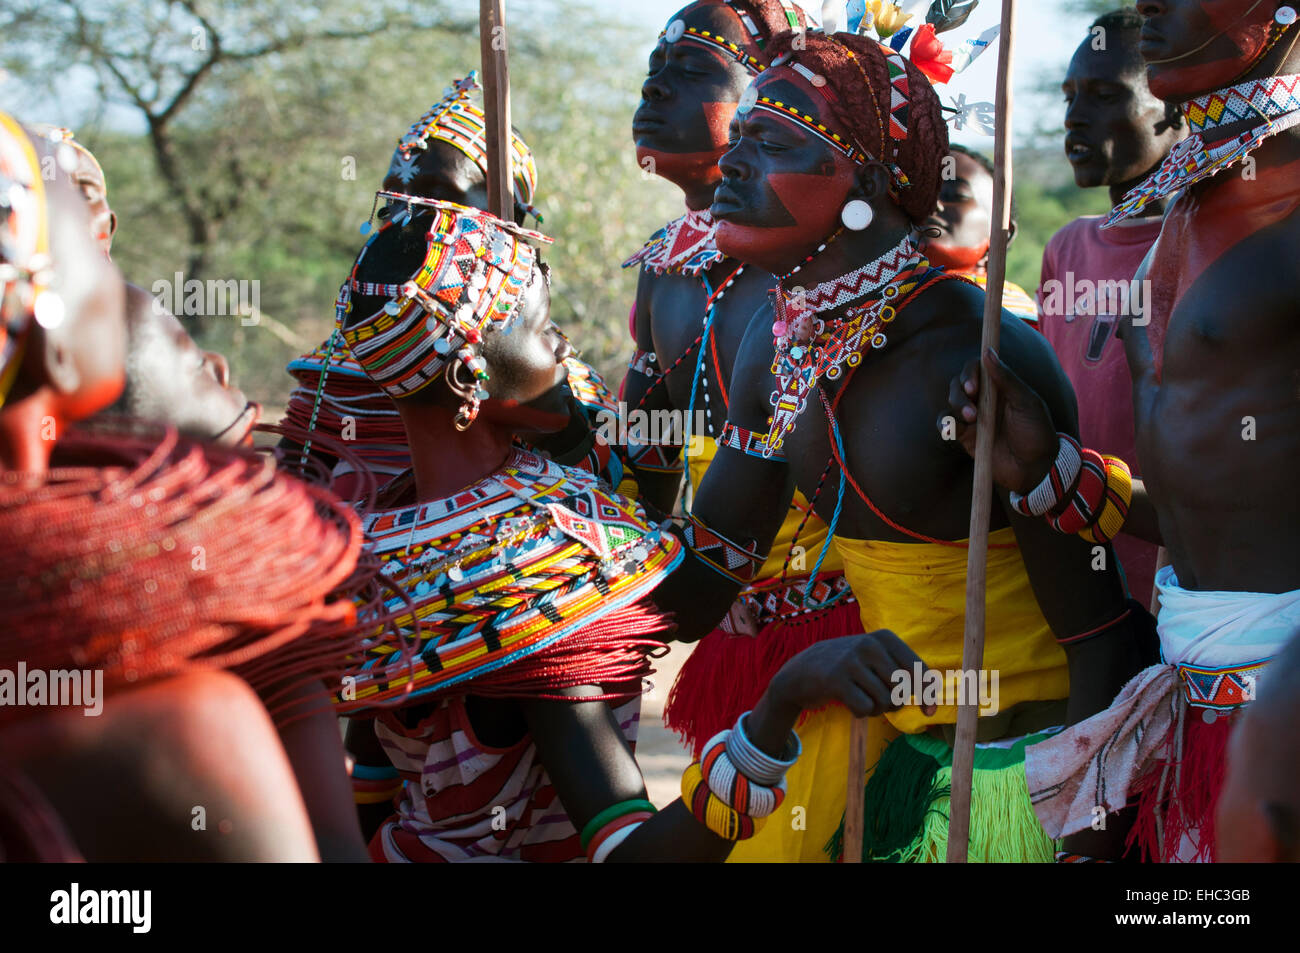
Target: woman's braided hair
[857,77]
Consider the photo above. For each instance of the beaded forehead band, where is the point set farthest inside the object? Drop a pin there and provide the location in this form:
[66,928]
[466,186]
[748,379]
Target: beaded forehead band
[474,274]
[25,266]
[456,120]
[677,31]
[856,152]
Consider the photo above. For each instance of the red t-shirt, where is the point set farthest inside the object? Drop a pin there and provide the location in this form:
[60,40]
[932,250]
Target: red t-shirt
[1076,314]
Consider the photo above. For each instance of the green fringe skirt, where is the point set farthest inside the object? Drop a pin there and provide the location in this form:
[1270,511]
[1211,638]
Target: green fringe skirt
[906,815]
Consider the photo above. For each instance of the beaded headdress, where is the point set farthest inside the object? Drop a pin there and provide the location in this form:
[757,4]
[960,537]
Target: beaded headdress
[25,267]
[456,120]
[475,271]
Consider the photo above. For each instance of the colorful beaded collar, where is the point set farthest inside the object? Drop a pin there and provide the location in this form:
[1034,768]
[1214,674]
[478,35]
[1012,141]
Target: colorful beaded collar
[500,570]
[1272,99]
[685,246]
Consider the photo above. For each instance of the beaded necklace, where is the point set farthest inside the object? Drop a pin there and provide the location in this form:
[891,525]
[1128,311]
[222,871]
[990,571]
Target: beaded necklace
[808,347]
[1273,99]
[706,343]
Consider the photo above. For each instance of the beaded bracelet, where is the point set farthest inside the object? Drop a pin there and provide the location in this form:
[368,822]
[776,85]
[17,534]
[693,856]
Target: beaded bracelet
[1047,495]
[604,841]
[375,784]
[748,442]
[1115,504]
[756,764]
[732,786]
[611,813]
[711,811]
[1089,492]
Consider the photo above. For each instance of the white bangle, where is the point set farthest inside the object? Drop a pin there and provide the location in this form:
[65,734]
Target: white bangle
[1047,493]
[755,764]
[613,840]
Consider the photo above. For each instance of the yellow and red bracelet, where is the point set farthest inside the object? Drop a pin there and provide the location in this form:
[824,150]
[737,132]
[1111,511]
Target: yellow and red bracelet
[709,809]
[1115,503]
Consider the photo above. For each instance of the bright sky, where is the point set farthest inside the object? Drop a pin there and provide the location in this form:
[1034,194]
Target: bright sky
[1045,40]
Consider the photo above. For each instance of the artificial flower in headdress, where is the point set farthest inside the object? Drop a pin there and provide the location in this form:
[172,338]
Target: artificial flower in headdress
[456,120]
[25,267]
[924,48]
[474,274]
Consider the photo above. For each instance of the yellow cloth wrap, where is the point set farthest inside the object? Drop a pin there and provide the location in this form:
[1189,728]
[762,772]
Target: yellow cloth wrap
[811,539]
[918,591]
[815,791]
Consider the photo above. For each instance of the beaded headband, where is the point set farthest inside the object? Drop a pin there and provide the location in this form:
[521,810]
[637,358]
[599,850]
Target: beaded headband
[25,267]
[456,120]
[64,139]
[474,274]
[677,31]
[899,103]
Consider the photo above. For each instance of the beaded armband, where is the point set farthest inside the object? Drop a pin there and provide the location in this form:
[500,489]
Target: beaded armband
[1048,494]
[736,562]
[643,362]
[747,442]
[653,457]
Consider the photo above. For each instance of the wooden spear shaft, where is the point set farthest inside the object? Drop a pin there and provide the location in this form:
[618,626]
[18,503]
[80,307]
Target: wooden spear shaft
[495,65]
[963,754]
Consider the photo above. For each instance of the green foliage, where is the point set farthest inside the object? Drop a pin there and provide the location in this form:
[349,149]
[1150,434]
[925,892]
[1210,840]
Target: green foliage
[1046,199]
[283,139]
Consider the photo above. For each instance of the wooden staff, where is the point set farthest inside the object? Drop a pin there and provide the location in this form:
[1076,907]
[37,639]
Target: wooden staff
[963,753]
[495,66]
[853,804]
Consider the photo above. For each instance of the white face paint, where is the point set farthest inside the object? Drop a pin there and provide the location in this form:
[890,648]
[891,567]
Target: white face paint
[675,31]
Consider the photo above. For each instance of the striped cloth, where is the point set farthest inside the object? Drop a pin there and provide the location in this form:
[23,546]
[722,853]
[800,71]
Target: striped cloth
[454,785]
[1014,299]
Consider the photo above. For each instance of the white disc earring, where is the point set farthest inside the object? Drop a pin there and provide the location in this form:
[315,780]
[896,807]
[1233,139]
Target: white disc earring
[1285,16]
[856,215]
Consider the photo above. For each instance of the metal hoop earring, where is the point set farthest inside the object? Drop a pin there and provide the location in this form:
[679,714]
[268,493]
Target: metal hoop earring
[466,415]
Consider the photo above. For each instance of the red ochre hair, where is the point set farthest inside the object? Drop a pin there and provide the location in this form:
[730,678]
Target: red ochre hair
[154,556]
[861,108]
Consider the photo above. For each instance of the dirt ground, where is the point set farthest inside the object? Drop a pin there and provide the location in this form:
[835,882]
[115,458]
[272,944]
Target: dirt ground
[661,756]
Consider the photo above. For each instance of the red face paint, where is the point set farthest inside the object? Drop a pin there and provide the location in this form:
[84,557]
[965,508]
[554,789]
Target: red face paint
[1195,46]
[955,258]
[688,99]
[791,216]
[783,186]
